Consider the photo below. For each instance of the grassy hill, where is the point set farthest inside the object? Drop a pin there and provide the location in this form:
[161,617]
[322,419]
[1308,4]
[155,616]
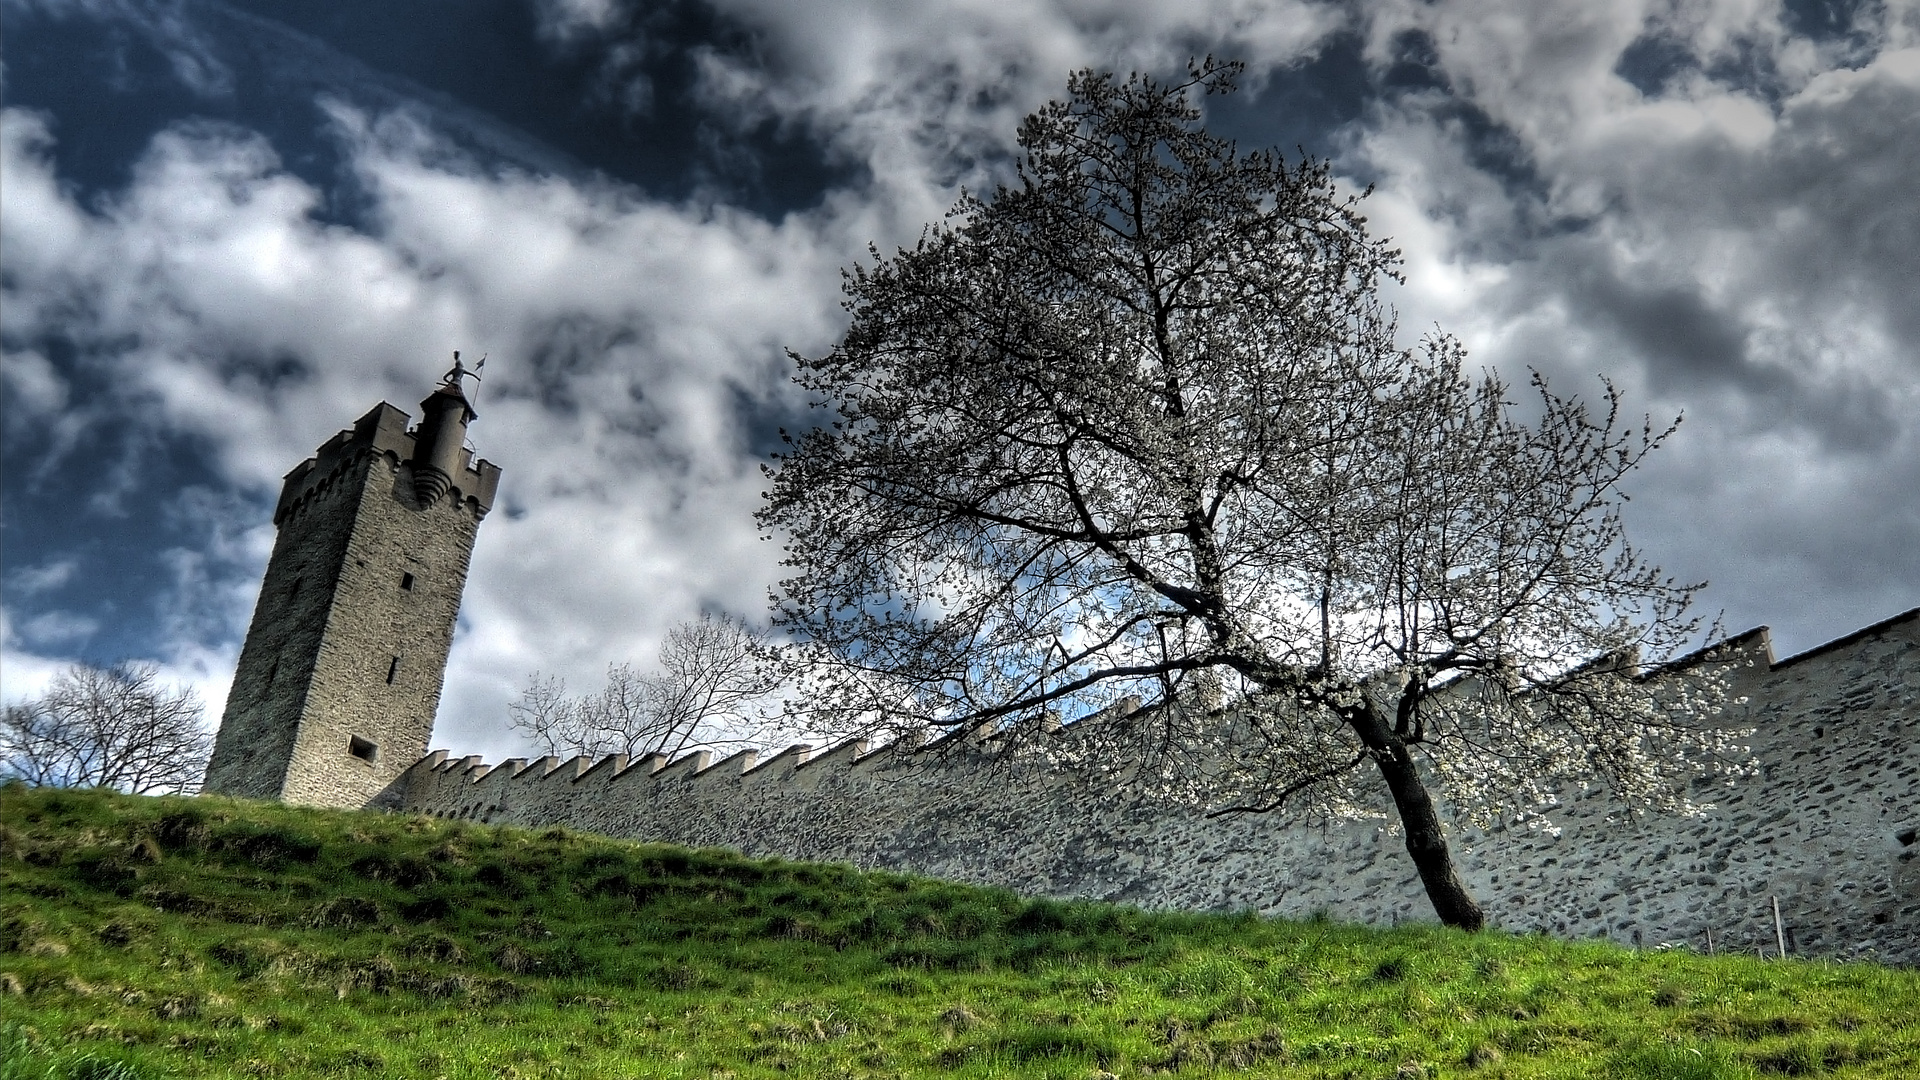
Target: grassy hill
[204,937]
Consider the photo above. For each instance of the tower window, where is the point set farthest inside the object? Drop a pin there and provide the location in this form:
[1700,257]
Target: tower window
[364,749]
[406,582]
[393,669]
[293,590]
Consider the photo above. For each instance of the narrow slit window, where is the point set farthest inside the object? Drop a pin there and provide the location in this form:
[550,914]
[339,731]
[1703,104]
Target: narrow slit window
[364,749]
[273,673]
[393,670]
[293,590]
[406,582]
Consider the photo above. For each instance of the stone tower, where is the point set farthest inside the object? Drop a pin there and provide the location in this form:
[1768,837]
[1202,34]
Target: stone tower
[340,676]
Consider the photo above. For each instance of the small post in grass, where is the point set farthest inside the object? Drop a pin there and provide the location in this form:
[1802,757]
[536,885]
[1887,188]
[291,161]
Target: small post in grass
[1779,928]
[1709,941]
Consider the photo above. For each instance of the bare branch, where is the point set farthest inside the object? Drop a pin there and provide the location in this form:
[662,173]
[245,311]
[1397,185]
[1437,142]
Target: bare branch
[714,675]
[108,727]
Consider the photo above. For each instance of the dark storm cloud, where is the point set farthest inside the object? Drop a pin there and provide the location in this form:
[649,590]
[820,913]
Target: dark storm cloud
[628,105]
[476,68]
[1731,233]
[1689,348]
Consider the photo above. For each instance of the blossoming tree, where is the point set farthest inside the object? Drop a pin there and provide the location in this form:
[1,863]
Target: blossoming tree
[1140,425]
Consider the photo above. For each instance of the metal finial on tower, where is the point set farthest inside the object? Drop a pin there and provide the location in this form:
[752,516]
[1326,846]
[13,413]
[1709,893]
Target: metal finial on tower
[460,371]
[442,434]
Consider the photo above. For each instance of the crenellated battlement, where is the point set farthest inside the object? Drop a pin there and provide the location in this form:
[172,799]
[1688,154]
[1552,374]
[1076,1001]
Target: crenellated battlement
[1827,822]
[382,431]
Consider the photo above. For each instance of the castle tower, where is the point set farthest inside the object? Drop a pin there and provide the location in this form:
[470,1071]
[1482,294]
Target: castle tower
[340,676]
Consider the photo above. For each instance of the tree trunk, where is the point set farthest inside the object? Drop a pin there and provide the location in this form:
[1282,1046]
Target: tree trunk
[1426,839]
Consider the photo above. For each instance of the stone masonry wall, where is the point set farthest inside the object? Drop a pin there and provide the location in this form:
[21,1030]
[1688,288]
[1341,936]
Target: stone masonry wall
[269,691]
[315,520]
[1827,824]
[384,653]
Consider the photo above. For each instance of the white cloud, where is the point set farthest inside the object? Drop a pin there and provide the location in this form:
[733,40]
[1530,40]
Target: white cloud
[24,674]
[40,577]
[34,389]
[57,628]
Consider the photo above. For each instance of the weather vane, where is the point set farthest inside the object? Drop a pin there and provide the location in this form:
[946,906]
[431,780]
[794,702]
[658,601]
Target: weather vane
[452,378]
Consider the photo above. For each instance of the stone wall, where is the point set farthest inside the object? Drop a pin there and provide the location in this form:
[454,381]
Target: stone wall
[1826,823]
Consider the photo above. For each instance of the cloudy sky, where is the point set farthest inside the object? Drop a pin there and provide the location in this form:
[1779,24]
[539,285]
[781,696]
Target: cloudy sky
[228,229]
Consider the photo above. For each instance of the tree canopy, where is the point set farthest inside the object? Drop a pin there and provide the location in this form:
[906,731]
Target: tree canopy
[1140,424]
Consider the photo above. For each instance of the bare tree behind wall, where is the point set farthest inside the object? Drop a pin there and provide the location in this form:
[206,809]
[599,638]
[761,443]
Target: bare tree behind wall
[111,727]
[713,674]
[1140,425]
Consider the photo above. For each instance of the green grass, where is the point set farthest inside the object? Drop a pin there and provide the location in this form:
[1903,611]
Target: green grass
[204,937]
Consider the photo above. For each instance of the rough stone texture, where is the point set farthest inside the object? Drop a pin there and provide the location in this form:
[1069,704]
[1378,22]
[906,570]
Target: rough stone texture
[1827,824]
[338,649]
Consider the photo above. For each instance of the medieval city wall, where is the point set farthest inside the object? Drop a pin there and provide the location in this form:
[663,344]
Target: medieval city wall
[1826,823]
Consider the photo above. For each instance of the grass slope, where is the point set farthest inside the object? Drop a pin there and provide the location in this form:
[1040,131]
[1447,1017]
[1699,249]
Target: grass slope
[203,937]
